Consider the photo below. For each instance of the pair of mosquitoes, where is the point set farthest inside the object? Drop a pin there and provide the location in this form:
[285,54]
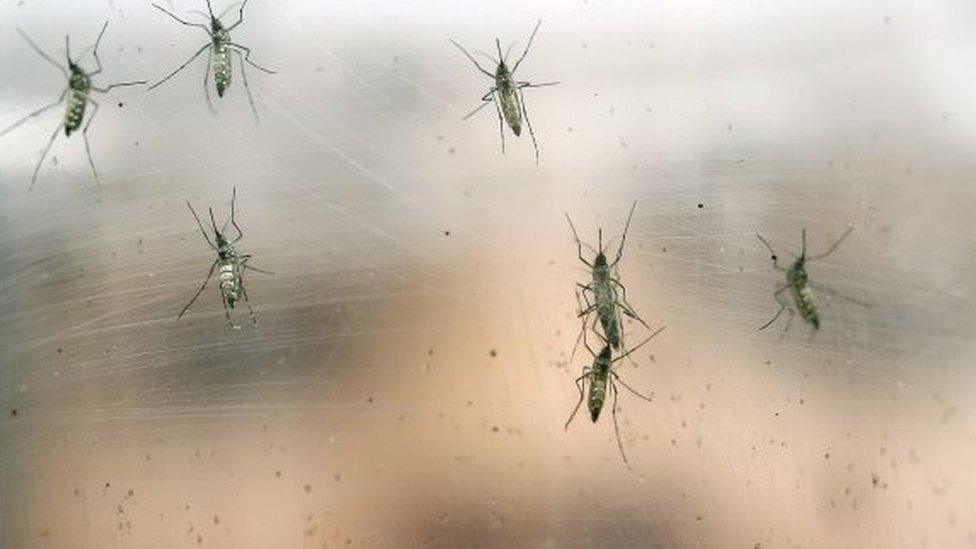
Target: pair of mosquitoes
[77,96]
[605,298]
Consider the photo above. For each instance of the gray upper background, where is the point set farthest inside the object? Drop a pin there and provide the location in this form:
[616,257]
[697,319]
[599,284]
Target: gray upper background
[409,378]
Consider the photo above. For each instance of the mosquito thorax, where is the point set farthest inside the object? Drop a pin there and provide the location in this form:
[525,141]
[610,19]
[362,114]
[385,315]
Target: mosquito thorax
[78,79]
[797,273]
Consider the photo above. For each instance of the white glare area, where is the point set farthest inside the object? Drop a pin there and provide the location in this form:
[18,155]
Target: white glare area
[409,376]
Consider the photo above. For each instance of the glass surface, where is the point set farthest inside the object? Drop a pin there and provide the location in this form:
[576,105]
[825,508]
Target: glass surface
[410,374]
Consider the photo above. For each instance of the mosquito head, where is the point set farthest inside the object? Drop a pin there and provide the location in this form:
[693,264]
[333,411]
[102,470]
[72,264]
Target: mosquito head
[600,261]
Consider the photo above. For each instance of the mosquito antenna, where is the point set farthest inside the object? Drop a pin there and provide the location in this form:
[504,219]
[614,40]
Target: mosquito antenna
[803,243]
[210,9]
[641,344]
[41,52]
[472,59]
[487,56]
[67,47]
[834,246]
[576,236]
[768,247]
[527,46]
[509,50]
[213,222]
[623,239]
[599,233]
[498,46]
[199,224]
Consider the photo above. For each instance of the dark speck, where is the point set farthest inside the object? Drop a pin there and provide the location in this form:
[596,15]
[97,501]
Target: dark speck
[13,412]
[700,205]
[120,104]
[494,428]
[493,353]
[278,474]
[308,488]
[447,233]
[60,350]
[430,352]
[337,477]
[826,455]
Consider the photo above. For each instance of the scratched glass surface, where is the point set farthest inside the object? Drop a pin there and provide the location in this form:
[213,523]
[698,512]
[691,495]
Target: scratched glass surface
[409,377]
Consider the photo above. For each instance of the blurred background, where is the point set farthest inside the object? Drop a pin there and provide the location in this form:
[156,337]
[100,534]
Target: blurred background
[409,377]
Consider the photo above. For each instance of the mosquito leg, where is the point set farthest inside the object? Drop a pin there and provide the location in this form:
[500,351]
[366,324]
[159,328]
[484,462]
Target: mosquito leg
[247,301]
[200,291]
[616,426]
[247,88]
[579,243]
[631,389]
[835,293]
[627,309]
[782,306]
[108,88]
[833,246]
[240,16]
[521,85]
[525,114]
[84,135]
[580,386]
[472,59]
[47,149]
[247,57]
[527,46]
[501,122]
[485,103]
[233,221]
[98,62]
[181,67]
[772,254]
[181,21]
[206,82]
[40,52]
[38,112]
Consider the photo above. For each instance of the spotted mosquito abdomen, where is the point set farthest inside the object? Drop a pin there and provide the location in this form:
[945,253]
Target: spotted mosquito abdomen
[221,62]
[598,394]
[509,103]
[74,111]
[606,307]
[230,286]
[803,296]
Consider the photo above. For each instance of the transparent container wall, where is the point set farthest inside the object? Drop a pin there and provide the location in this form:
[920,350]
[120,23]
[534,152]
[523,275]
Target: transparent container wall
[410,375]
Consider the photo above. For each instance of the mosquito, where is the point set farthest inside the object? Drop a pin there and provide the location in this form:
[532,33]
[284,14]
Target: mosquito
[76,97]
[798,282]
[506,94]
[601,377]
[609,296]
[232,264]
[218,54]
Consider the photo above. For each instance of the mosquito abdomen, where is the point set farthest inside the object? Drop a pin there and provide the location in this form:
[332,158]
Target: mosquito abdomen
[803,295]
[74,111]
[510,108]
[598,393]
[229,283]
[221,67]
